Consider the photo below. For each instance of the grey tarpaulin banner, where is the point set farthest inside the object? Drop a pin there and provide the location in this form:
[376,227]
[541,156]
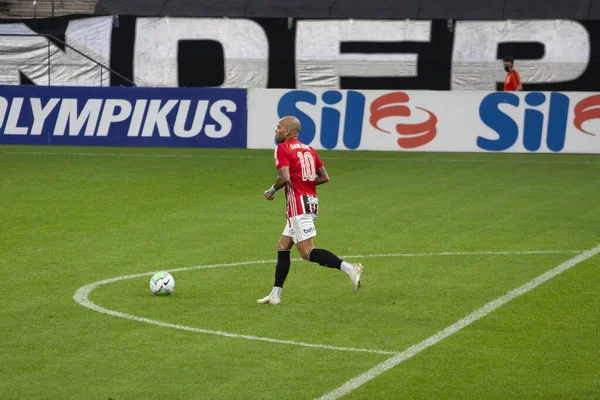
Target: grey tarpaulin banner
[560,55]
[42,61]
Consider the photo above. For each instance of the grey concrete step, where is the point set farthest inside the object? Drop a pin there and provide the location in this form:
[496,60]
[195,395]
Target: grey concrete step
[43,8]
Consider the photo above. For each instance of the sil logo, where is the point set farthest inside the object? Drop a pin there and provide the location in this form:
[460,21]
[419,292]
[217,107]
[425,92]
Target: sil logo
[537,127]
[587,109]
[351,120]
[411,135]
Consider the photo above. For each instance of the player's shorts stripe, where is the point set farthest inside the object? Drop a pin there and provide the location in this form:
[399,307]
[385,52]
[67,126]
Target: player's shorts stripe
[296,228]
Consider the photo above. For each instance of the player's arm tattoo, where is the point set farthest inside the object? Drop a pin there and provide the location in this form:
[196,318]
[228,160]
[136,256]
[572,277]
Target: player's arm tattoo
[283,177]
[322,176]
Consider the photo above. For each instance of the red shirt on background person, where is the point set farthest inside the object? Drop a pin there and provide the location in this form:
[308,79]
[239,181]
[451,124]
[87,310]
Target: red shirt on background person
[512,82]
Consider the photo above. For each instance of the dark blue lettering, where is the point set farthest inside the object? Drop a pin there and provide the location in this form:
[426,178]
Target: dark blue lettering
[534,122]
[287,106]
[557,121]
[330,119]
[355,112]
[499,122]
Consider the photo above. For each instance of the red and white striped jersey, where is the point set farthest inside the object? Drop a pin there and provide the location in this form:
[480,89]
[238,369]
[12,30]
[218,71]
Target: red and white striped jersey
[303,162]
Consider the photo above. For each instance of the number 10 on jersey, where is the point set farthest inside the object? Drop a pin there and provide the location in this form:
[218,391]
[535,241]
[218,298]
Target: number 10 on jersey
[309,172]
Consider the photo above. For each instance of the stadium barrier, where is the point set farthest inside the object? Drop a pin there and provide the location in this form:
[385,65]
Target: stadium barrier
[123,116]
[431,120]
[436,121]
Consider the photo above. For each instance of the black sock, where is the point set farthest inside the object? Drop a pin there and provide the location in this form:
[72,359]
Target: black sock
[325,258]
[283,267]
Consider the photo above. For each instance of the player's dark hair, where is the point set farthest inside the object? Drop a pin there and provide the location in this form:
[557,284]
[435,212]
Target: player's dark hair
[508,59]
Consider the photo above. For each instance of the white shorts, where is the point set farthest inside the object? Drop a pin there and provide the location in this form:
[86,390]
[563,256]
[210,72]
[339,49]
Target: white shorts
[300,227]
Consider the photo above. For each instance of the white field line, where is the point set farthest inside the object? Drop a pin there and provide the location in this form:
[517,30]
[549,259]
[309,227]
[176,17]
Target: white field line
[464,253]
[81,296]
[390,363]
[216,156]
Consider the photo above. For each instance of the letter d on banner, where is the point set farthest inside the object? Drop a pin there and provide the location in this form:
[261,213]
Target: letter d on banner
[245,49]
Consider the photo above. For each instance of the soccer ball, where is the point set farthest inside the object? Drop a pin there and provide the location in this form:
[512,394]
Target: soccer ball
[162,284]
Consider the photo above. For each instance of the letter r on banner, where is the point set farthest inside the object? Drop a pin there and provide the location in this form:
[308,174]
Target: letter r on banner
[474,58]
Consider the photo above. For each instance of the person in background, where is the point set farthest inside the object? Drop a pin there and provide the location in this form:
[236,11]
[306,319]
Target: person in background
[512,82]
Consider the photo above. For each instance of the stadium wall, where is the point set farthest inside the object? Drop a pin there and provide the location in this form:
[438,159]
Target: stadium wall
[440,121]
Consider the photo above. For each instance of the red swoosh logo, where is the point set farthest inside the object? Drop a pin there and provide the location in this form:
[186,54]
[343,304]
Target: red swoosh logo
[586,109]
[414,135]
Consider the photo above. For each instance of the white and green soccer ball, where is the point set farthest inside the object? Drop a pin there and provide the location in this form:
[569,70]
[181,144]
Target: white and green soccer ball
[162,284]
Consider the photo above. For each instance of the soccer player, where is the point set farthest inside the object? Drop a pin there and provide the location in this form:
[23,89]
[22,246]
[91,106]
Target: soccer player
[300,170]
[512,82]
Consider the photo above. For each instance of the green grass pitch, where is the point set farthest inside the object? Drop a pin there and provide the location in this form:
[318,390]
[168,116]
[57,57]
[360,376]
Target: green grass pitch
[69,219]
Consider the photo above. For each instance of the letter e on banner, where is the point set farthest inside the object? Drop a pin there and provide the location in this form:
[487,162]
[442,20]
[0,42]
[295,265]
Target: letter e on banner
[319,63]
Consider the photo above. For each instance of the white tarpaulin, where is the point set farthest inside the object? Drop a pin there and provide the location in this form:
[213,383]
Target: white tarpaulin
[44,63]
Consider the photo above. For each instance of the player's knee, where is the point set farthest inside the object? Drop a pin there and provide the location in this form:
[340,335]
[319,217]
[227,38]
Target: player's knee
[304,253]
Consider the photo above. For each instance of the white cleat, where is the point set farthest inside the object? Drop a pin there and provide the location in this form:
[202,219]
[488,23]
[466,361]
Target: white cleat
[269,300]
[355,276]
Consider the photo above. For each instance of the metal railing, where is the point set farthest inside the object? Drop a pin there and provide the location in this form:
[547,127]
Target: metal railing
[103,68]
[52,4]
